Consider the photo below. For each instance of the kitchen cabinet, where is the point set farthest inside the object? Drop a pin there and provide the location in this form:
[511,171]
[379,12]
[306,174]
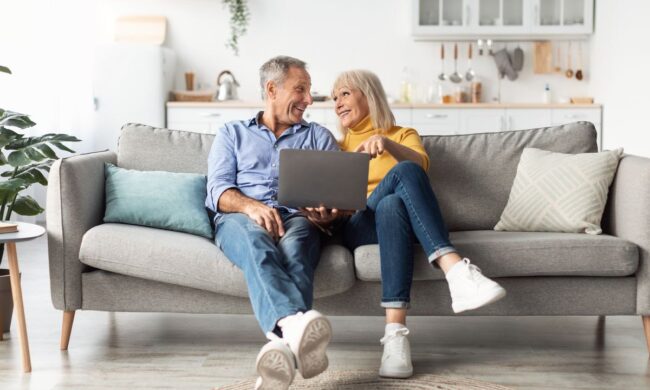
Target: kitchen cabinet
[434,121]
[481,120]
[202,119]
[563,16]
[501,19]
[527,118]
[445,119]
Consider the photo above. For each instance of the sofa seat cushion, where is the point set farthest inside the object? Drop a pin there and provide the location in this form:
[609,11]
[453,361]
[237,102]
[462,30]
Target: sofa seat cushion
[511,254]
[192,261]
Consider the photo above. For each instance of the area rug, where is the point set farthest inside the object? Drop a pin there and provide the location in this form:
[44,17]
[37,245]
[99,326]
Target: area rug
[352,380]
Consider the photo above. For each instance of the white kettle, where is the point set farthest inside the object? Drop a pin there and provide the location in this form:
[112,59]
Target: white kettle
[226,88]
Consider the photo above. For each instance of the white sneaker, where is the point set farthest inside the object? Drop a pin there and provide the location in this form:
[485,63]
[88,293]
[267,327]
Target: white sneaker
[308,335]
[396,360]
[275,365]
[470,289]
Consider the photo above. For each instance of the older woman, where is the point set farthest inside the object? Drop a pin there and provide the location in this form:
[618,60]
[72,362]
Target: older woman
[401,209]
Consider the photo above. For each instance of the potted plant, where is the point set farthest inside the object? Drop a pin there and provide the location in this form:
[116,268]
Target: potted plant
[239,16]
[23,161]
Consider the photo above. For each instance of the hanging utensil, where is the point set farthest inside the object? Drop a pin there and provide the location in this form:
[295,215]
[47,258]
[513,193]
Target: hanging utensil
[480,47]
[489,45]
[442,76]
[558,60]
[469,75]
[456,77]
[579,74]
[569,71]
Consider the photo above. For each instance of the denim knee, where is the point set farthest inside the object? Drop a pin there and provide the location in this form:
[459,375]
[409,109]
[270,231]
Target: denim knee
[391,209]
[408,167]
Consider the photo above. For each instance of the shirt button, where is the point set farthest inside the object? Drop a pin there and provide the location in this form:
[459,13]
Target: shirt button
[275,146]
[273,165]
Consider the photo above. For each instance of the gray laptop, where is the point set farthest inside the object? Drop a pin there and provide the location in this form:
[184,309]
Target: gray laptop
[311,178]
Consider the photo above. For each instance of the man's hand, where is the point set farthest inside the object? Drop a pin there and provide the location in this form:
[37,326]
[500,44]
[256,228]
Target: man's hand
[374,145]
[267,217]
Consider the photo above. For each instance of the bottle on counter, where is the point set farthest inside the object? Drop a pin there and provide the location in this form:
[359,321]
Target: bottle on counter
[406,89]
[476,92]
[546,97]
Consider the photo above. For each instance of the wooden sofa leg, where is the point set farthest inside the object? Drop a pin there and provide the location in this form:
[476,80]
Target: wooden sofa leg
[646,329]
[68,318]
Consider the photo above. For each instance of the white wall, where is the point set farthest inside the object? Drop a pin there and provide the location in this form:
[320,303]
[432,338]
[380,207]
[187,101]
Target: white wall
[620,57]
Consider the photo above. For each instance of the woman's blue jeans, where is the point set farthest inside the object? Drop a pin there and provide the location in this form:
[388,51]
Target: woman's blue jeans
[402,208]
[279,275]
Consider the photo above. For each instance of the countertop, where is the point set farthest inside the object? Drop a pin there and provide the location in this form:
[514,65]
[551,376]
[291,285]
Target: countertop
[330,104]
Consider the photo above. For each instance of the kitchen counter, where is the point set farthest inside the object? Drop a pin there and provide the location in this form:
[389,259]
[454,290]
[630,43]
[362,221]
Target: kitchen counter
[428,119]
[330,104]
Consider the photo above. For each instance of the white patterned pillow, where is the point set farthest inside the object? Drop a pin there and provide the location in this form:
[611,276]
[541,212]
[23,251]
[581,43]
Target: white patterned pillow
[557,192]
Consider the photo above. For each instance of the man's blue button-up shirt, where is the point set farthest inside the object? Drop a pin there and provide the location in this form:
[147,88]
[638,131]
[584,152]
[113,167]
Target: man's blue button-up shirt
[246,155]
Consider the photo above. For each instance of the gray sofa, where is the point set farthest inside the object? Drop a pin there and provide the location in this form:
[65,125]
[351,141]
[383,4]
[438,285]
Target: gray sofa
[117,267]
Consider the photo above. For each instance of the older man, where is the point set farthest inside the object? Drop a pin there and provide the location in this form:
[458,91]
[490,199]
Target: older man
[277,248]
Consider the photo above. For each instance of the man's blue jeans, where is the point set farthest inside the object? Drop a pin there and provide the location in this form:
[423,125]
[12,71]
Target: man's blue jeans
[280,276]
[402,208]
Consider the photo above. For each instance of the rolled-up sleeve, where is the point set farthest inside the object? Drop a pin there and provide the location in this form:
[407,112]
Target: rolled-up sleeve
[222,167]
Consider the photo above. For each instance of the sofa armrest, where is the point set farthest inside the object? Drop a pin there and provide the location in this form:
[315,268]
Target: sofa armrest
[75,203]
[628,217]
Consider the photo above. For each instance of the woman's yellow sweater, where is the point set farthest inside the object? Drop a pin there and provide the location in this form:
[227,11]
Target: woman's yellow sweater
[380,165]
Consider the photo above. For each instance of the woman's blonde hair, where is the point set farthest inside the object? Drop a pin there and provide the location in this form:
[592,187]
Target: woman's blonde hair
[369,85]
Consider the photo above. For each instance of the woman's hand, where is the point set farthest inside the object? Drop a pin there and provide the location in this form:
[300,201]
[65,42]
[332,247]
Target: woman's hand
[321,216]
[374,145]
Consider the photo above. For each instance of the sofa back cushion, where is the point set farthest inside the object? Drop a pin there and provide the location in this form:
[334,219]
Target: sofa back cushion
[472,174]
[147,148]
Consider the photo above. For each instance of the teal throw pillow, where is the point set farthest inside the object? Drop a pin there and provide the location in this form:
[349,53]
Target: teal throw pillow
[164,200]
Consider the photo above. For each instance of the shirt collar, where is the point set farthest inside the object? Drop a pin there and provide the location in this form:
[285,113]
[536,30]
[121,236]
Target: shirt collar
[255,121]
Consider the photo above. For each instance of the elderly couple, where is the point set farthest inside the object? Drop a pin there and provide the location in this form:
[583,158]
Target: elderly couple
[278,248]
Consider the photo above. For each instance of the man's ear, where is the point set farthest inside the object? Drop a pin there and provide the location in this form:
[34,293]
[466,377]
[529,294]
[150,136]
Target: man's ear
[270,89]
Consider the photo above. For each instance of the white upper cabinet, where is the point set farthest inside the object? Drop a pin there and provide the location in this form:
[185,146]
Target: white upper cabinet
[451,19]
[558,17]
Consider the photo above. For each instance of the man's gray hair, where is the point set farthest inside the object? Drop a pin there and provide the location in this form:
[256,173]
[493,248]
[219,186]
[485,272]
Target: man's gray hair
[276,69]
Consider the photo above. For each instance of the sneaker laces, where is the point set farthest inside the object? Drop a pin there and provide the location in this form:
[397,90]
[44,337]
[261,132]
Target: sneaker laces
[395,348]
[471,267]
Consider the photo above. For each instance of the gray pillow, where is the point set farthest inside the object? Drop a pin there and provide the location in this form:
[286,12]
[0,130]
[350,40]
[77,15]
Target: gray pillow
[557,192]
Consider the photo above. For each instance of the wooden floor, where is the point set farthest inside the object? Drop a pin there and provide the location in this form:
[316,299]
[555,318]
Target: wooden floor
[144,351]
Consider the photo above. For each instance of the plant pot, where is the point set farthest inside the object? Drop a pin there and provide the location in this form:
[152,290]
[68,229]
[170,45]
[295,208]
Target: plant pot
[6,301]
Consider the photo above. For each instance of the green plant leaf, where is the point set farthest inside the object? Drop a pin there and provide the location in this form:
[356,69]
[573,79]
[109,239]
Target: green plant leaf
[33,176]
[4,69]
[26,205]
[28,149]
[62,147]
[9,188]
[3,159]
[18,158]
[47,151]
[6,136]
[42,166]
[239,17]
[15,119]
[34,154]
